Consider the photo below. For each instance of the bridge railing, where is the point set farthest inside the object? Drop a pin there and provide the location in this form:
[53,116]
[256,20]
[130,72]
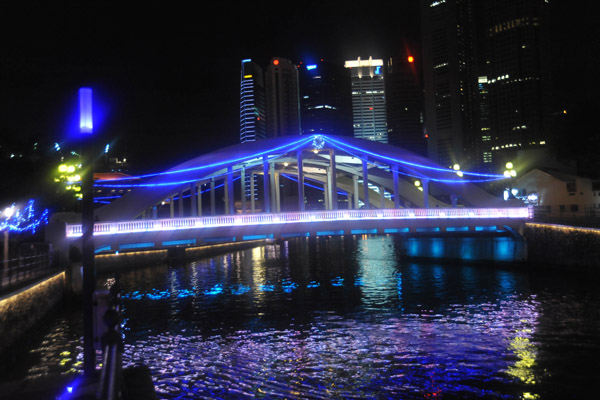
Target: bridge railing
[107,228]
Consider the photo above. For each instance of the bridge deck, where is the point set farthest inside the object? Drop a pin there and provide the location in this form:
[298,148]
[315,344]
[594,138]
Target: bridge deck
[191,231]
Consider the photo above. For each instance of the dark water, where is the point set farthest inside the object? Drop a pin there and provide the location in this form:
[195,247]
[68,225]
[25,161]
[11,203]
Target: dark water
[346,318]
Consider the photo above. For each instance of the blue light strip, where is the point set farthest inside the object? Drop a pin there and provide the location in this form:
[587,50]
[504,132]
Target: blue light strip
[86,122]
[136,245]
[345,145]
[287,147]
[179,242]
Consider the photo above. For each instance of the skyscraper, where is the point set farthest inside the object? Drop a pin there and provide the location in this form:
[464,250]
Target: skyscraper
[404,101]
[252,103]
[483,69]
[282,95]
[325,102]
[368,99]
[510,54]
[449,80]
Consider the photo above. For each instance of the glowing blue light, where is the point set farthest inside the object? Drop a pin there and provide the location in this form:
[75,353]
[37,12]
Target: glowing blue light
[217,289]
[70,389]
[311,67]
[86,121]
[106,148]
[337,281]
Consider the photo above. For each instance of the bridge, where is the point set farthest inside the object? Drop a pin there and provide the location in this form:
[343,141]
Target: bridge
[261,191]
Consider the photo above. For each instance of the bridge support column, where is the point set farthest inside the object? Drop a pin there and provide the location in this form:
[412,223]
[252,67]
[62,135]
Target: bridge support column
[212,196]
[172,207]
[425,193]
[266,185]
[382,194]
[243,189]
[199,199]
[180,204]
[300,181]
[396,187]
[273,187]
[327,190]
[333,182]
[154,212]
[252,195]
[193,199]
[277,191]
[229,198]
[365,171]
[355,191]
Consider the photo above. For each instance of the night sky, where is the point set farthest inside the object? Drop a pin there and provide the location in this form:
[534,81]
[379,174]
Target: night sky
[168,77]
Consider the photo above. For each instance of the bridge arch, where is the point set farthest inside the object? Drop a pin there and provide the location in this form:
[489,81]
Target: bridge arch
[341,165]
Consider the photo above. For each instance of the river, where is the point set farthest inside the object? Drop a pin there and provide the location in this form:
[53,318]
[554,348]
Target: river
[343,318]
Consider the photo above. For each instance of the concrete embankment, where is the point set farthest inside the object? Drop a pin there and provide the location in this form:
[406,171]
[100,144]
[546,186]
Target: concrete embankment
[563,247]
[21,310]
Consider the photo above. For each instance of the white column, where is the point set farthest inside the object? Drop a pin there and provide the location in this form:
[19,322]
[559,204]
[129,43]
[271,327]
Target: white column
[212,196]
[300,181]
[365,184]
[355,189]
[252,202]
[333,181]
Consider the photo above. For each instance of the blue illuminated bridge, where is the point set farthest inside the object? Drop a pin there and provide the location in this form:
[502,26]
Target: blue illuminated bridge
[259,190]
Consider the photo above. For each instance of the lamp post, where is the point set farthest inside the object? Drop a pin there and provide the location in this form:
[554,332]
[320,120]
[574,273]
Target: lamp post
[510,173]
[86,129]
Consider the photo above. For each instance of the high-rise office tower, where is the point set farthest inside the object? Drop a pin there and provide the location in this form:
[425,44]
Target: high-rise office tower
[282,95]
[404,101]
[483,69]
[368,99]
[449,80]
[325,102]
[252,103]
[510,54]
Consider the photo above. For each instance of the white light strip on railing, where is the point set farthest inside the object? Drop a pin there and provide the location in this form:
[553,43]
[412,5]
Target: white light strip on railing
[158,225]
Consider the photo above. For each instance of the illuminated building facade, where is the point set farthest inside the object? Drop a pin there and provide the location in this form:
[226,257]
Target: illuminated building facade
[368,99]
[252,102]
[326,106]
[282,98]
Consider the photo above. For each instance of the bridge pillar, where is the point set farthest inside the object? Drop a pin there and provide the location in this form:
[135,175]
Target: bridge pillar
[333,183]
[272,187]
[266,185]
[154,212]
[365,171]
[396,187]
[277,191]
[355,191]
[212,196]
[180,204]
[425,193]
[382,194]
[172,207]
[199,199]
[229,197]
[326,188]
[252,195]
[300,181]
[243,188]
[193,199]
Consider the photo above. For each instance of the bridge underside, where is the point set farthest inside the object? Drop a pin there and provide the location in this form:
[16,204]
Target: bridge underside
[276,175]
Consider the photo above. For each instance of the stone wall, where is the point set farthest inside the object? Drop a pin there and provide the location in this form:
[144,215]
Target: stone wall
[20,311]
[565,247]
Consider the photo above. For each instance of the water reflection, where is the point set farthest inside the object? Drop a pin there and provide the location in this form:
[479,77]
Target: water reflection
[345,317]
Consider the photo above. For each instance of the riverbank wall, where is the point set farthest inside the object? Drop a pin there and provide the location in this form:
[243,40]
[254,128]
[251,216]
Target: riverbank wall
[562,247]
[21,310]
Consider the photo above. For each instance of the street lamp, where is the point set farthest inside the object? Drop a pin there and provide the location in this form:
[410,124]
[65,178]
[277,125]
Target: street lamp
[510,173]
[86,129]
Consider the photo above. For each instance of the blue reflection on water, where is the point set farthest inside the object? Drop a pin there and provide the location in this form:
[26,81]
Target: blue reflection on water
[332,318]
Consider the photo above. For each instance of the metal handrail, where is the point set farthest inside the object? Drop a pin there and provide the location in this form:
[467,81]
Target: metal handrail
[110,385]
[103,228]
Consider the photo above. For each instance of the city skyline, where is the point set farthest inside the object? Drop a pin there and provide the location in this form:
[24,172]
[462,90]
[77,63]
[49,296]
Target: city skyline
[173,93]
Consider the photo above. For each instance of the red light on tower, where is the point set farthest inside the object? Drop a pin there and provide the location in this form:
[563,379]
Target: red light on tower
[275,62]
[411,59]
